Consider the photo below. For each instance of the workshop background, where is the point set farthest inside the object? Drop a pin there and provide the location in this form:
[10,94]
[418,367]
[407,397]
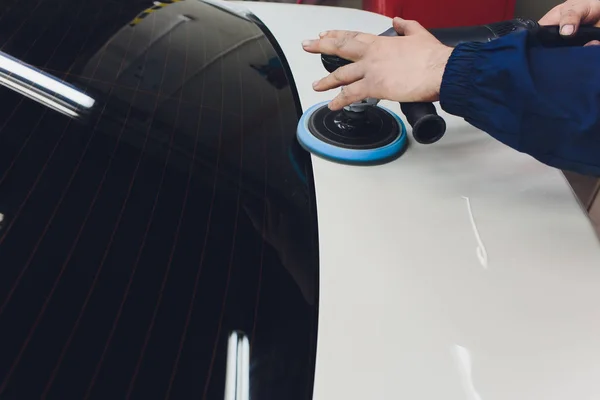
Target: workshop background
[534,9]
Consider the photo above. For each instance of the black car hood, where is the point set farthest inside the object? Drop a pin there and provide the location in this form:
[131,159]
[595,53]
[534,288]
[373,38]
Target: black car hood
[139,234]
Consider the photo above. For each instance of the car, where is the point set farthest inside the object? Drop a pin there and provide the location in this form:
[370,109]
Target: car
[164,234]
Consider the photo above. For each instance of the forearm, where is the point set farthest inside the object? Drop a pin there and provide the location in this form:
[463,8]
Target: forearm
[541,101]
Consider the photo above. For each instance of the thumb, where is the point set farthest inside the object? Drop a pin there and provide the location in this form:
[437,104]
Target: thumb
[407,28]
[552,17]
[570,18]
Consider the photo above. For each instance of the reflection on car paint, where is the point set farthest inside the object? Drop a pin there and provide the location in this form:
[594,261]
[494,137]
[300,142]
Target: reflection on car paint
[273,71]
[179,210]
[237,383]
[157,6]
[42,87]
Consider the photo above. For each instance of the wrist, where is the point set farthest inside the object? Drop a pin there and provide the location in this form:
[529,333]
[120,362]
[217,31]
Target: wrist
[439,62]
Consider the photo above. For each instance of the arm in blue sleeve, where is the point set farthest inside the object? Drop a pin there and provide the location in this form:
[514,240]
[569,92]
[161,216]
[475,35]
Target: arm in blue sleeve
[538,100]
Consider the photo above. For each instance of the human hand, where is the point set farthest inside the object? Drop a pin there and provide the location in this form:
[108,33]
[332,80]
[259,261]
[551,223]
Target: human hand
[573,13]
[407,69]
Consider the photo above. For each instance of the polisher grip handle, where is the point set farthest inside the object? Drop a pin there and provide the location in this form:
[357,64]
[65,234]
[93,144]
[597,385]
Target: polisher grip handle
[331,63]
[550,36]
[428,126]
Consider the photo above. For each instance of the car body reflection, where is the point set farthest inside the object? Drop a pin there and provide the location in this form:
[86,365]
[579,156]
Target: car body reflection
[178,210]
[41,87]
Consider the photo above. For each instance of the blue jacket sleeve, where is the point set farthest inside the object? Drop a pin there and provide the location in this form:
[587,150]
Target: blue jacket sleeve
[538,100]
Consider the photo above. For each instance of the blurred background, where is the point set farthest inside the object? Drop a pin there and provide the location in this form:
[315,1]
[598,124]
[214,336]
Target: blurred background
[440,13]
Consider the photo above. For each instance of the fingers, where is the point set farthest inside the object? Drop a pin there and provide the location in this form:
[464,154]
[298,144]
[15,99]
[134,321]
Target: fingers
[592,43]
[407,28]
[342,76]
[361,37]
[344,46]
[352,93]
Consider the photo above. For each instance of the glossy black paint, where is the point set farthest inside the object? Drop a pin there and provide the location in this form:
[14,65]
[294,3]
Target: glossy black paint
[178,209]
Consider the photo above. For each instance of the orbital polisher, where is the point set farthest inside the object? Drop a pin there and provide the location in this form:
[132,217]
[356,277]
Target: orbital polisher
[365,133]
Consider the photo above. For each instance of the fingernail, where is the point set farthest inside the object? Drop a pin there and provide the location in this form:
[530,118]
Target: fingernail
[323,33]
[315,83]
[567,30]
[306,43]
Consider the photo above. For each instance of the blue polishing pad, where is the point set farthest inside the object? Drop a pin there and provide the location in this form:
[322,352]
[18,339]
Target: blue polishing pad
[375,156]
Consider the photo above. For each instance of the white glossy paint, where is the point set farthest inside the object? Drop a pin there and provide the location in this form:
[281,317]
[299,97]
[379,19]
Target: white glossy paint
[407,311]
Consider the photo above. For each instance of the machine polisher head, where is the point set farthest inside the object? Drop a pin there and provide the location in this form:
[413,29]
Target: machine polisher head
[373,136]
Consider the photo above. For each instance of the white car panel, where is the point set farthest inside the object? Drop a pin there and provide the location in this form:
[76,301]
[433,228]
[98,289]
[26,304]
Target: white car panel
[462,271]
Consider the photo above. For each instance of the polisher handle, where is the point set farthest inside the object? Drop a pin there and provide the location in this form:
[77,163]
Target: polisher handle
[428,126]
[548,35]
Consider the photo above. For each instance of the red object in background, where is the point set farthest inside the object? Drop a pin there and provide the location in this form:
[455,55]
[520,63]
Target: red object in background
[445,13]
